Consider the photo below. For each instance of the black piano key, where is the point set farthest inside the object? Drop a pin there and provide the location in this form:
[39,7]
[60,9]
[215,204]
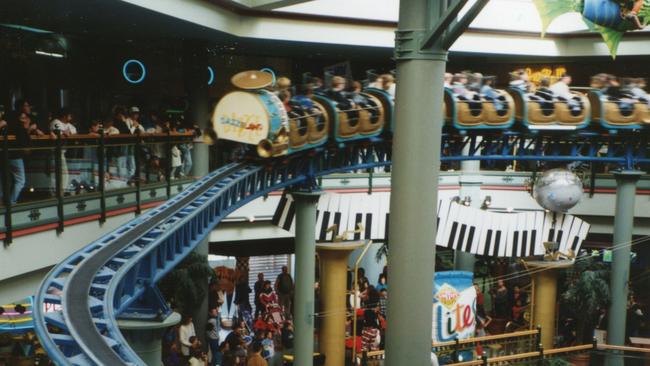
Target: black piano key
[559,237]
[533,242]
[368,225]
[497,242]
[358,219]
[551,235]
[515,244]
[524,243]
[324,225]
[574,245]
[279,211]
[488,239]
[290,216]
[470,239]
[461,236]
[454,227]
[337,222]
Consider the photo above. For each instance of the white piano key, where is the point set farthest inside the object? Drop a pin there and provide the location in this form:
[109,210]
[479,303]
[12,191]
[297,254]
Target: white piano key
[510,225]
[501,237]
[375,210]
[483,244]
[539,233]
[384,208]
[575,230]
[548,234]
[479,221]
[287,213]
[563,232]
[582,235]
[344,209]
[451,226]
[443,214]
[322,207]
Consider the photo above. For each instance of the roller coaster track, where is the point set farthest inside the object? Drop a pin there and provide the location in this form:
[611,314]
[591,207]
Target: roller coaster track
[116,275]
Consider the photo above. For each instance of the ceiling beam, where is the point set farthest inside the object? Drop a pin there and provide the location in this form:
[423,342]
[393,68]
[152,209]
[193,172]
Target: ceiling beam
[273,4]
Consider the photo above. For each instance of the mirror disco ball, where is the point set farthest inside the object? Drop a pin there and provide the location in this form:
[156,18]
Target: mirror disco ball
[558,190]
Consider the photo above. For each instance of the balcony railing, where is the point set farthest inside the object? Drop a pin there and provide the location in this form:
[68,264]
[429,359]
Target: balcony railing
[72,179]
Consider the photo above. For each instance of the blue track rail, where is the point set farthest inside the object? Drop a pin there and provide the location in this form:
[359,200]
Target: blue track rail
[116,275]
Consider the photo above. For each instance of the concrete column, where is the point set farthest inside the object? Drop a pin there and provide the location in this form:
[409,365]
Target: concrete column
[195,72]
[620,276]
[144,337]
[470,187]
[414,196]
[303,308]
[333,284]
[545,297]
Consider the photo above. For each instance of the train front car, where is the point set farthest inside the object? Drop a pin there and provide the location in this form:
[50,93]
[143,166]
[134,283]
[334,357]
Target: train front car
[356,115]
[255,116]
[537,111]
[478,111]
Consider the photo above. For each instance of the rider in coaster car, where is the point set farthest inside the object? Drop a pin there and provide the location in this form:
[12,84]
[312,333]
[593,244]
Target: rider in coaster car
[615,93]
[519,80]
[637,88]
[489,93]
[459,87]
[545,95]
[342,98]
[561,90]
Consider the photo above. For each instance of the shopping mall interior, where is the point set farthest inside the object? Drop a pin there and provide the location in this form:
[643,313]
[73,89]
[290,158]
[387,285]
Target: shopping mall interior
[230,182]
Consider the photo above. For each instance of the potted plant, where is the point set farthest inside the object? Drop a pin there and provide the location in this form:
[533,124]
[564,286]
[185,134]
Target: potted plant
[586,293]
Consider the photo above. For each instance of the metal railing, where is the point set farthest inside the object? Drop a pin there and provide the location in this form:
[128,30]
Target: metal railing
[78,174]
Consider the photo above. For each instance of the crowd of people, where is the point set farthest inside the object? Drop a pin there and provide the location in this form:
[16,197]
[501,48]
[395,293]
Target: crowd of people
[120,164]
[236,333]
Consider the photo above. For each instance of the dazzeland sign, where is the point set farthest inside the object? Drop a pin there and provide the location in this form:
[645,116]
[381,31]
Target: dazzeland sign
[454,306]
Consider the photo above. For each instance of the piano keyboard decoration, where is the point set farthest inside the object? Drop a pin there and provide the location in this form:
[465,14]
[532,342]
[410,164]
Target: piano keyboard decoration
[460,227]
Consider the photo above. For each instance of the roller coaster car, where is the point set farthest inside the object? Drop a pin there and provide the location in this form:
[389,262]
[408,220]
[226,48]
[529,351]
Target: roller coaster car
[533,111]
[607,111]
[479,113]
[359,116]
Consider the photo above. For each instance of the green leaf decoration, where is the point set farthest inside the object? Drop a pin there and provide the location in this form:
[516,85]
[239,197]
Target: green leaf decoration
[548,10]
[611,37]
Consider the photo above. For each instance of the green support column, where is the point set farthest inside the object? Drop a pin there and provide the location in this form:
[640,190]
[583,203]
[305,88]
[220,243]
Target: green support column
[195,67]
[620,276]
[303,302]
[200,315]
[413,202]
[470,187]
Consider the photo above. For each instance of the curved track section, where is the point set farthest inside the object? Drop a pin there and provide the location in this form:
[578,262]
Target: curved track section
[111,276]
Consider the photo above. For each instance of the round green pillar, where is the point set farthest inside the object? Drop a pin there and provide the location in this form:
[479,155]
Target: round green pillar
[414,192]
[620,276]
[303,302]
[195,74]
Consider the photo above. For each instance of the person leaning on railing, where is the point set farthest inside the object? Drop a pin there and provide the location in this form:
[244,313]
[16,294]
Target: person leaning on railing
[18,127]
